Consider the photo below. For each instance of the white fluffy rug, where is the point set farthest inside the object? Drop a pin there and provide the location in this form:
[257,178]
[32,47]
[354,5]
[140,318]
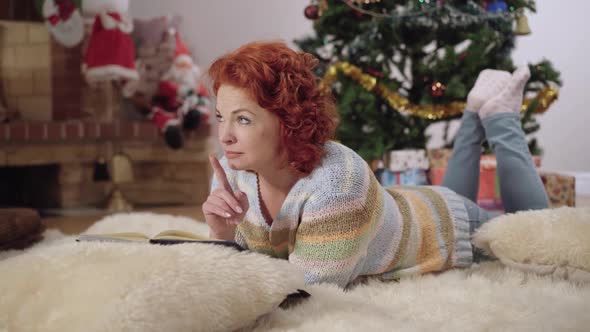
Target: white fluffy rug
[486,297]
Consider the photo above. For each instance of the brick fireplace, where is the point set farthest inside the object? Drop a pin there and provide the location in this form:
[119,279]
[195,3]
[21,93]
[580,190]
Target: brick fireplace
[49,152]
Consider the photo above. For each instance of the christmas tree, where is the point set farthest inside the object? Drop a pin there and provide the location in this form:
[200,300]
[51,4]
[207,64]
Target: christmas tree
[397,66]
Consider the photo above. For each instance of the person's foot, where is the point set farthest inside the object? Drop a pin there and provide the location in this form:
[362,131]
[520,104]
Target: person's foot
[509,100]
[489,84]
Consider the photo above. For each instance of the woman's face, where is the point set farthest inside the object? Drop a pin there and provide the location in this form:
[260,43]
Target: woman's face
[249,134]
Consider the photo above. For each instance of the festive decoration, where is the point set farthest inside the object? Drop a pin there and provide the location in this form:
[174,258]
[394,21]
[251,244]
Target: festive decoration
[561,188]
[522,24]
[498,6]
[430,10]
[181,102]
[64,22]
[155,44]
[185,74]
[403,167]
[401,160]
[110,54]
[382,67]
[437,89]
[410,177]
[312,12]
[360,2]
[544,98]
[316,9]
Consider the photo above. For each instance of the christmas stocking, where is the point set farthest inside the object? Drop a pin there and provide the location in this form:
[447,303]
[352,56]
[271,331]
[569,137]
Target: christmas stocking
[168,125]
[64,21]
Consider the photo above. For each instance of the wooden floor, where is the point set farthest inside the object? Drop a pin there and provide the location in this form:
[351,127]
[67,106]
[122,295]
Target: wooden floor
[76,224]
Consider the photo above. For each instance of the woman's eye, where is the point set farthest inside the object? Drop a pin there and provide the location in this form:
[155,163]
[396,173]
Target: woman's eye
[243,120]
[219,117]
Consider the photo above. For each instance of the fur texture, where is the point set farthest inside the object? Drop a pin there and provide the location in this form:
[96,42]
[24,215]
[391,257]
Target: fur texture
[553,242]
[93,286]
[35,296]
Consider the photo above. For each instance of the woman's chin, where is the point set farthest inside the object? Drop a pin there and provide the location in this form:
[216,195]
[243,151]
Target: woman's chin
[235,165]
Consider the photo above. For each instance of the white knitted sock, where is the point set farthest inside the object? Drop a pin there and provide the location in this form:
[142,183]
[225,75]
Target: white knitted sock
[510,98]
[489,83]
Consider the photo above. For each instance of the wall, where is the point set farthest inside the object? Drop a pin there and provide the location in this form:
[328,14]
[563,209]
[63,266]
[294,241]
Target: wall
[215,27]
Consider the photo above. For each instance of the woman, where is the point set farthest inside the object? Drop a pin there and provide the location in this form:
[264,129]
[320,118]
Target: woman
[285,190]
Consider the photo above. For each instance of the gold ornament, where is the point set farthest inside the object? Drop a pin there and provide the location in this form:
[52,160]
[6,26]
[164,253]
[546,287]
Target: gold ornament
[522,24]
[122,172]
[545,97]
[433,111]
[323,6]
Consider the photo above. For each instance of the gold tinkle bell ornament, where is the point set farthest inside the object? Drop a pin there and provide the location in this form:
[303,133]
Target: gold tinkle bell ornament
[522,24]
[122,172]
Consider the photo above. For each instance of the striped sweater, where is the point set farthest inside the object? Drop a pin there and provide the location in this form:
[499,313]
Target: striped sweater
[339,223]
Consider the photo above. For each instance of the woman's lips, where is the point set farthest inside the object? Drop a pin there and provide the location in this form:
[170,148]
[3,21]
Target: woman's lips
[232,154]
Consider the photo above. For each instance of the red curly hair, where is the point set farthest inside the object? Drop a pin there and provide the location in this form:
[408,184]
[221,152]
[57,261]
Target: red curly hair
[281,80]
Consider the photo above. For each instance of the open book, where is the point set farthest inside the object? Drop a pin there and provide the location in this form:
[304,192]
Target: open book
[166,237]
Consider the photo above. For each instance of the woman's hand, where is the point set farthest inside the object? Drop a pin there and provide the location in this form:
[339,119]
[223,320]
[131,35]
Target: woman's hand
[224,208]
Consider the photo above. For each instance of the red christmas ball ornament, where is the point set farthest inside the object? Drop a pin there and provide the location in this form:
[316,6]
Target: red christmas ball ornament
[357,13]
[312,12]
[437,89]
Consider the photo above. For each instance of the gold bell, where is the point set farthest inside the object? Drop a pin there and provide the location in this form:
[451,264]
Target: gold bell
[122,172]
[522,25]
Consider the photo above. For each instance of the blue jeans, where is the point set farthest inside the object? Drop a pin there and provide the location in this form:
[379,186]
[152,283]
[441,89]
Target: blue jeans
[520,185]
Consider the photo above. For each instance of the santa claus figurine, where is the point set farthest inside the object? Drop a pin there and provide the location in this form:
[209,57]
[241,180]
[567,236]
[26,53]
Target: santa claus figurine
[183,71]
[193,94]
[172,114]
[110,54]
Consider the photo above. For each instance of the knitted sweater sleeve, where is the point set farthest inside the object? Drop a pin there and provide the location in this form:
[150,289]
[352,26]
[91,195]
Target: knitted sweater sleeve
[332,239]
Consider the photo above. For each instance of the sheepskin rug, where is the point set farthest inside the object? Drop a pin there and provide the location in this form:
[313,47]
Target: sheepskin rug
[485,297]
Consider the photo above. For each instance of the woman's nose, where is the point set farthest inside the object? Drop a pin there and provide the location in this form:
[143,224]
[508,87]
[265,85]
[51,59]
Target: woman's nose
[226,135]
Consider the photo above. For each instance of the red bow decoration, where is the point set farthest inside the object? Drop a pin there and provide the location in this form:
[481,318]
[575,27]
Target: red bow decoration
[65,8]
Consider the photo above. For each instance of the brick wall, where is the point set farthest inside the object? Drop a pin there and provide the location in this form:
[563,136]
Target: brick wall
[67,82]
[25,69]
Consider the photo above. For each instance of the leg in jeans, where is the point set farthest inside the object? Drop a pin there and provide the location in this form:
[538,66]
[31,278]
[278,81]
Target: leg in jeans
[462,174]
[520,185]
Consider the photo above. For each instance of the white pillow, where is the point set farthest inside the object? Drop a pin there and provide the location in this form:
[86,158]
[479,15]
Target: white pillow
[94,286]
[548,242]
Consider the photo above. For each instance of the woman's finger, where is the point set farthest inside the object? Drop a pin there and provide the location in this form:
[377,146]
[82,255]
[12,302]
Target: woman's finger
[220,203]
[230,199]
[219,173]
[212,209]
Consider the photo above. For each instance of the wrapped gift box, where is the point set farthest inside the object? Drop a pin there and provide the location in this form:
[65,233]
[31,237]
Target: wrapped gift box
[410,177]
[560,188]
[403,167]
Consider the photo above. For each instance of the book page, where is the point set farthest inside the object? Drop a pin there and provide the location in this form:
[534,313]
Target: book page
[179,235]
[115,237]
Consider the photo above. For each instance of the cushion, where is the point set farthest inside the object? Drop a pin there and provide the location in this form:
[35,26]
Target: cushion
[547,242]
[19,227]
[100,286]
